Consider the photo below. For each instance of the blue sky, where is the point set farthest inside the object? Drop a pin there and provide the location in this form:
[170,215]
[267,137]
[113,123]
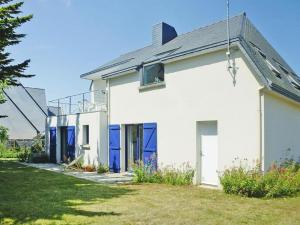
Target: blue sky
[69,37]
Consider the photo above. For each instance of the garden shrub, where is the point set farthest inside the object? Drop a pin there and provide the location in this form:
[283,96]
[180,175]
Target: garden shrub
[26,155]
[166,175]
[139,173]
[77,166]
[102,168]
[8,153]
[35,153]
[243,182]
[278,181]
[41,157]
[4,151]
[89,168]
[38,144]
[3,134]
[23,155]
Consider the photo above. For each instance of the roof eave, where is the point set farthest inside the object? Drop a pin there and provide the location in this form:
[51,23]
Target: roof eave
[260,77]
[174,57]
[284,92]
[105,75]
[120,72]
[269,85]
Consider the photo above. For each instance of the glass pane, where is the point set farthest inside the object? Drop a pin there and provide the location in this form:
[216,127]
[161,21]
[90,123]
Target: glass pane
[153,74]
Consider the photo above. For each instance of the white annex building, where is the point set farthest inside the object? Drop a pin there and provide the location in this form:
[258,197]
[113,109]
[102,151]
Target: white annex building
[179,100]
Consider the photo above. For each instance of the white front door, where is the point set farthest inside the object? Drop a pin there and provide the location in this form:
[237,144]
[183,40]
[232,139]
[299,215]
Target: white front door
[209,152]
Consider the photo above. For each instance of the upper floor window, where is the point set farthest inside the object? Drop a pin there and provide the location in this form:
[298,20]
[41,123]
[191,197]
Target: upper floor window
[153,74]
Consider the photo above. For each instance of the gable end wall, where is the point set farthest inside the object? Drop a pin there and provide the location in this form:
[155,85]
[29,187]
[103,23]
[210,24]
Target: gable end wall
[281,129]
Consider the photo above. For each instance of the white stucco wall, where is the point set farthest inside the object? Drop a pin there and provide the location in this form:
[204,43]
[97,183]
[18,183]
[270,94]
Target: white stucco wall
[97,96]
[197,89]
[97,135]
[282,129]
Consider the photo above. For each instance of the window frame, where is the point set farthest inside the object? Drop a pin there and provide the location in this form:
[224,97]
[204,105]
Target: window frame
[85,134]
[142,84]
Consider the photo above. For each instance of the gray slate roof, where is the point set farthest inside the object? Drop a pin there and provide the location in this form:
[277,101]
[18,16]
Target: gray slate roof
[25,109]
[241,31]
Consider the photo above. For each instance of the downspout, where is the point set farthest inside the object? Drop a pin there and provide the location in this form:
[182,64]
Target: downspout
[261,131]
[263,81]
[108,116]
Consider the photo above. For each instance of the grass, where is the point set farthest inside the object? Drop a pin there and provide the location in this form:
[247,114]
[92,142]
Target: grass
[32,196]
[8,153]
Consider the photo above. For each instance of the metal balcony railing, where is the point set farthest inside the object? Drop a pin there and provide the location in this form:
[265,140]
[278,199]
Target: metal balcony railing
[84,102]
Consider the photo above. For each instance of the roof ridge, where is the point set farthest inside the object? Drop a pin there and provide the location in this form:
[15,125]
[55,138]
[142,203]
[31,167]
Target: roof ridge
[139,49]
[199,28]
[34,88]
[211,24]
[242,33]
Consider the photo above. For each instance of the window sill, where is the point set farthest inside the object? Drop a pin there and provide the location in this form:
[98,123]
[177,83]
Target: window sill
[152,86]
[85,147]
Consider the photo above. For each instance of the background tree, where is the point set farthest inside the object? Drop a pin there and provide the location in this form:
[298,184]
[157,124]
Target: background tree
[3,134]
[9,22]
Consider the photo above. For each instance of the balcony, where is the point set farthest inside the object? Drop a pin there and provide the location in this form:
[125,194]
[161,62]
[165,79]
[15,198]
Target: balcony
[81,103]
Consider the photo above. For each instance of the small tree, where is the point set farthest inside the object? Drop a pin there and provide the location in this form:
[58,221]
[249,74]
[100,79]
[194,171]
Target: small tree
[38,144]
[9,22]
[3,134]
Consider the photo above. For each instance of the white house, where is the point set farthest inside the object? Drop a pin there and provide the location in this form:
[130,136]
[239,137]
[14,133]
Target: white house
[180,100]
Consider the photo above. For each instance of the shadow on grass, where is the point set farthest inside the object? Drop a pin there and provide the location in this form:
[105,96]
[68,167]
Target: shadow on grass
[28,194]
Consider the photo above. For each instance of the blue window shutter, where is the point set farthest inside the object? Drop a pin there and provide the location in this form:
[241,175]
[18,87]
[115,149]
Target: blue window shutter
[114,148]
[53,144]
[150,143]
[71,142]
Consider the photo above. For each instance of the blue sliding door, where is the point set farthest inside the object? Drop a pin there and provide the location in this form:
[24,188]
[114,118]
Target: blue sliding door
[114,148]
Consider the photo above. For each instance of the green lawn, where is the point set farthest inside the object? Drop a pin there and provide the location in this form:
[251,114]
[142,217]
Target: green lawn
[32,196]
